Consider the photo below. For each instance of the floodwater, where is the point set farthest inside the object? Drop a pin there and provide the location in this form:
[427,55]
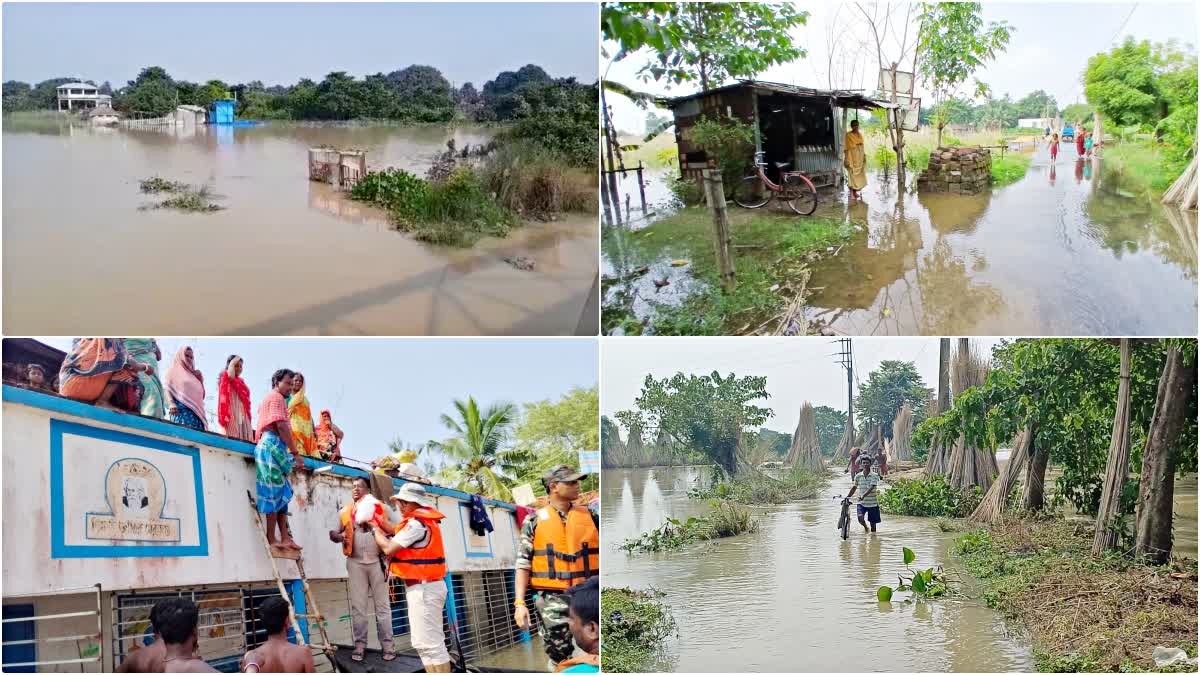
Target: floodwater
[793,596]
[522,657]
[286,256]
[1063,251]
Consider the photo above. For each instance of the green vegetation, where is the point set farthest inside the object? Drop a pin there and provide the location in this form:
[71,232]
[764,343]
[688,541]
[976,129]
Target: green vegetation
[1082,613]
[635,626]
[730,142]
[1008,167]
[831,424]
[929,497]
[886,390]
[184,197]
[771,254]
[930,582]
[456,211]
[726,520]
[711,43]
[1145,167]
[759,488]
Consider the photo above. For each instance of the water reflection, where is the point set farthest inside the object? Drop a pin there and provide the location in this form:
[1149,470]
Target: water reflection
[73,190]
[794,596]
[1042,256]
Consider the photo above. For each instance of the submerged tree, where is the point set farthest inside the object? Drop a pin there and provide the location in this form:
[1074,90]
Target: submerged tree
[705,413]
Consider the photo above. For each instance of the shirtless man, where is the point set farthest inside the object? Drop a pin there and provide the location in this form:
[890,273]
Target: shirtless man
[147,659]
[277,655]
[179,626]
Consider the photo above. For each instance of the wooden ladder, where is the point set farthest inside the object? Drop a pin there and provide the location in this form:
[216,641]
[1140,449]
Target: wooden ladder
[314,613]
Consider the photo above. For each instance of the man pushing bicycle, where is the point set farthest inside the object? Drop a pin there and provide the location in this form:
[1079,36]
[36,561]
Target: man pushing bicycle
[866,484]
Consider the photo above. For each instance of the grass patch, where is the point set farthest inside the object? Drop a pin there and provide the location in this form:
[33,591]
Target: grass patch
[779,247]
[760,488]
[1009,167]
[534,183]
[184,197]
[635,626]
[931,497]
[456,211]
[1082,613]
[1143,165]
[727,519]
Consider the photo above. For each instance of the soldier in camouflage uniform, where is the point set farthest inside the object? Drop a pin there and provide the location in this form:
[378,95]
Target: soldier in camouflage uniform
[562,484]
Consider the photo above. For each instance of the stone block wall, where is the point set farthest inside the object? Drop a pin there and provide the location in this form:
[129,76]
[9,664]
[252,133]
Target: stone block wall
[962,170]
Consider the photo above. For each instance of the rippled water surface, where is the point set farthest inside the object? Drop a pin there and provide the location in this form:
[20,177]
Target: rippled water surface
[285,256]
[794,596]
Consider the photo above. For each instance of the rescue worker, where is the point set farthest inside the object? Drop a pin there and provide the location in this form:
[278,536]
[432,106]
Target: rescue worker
[418,557]
[367,576]
[560,548]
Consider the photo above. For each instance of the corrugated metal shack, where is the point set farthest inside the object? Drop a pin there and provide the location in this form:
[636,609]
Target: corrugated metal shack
[798,127]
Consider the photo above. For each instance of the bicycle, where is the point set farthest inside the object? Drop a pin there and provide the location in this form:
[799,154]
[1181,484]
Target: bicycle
[756,190]
[844,518]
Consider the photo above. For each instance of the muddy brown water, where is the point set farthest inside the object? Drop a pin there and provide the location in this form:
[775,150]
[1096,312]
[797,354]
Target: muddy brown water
[793,596]
[286,256]
[1066,250]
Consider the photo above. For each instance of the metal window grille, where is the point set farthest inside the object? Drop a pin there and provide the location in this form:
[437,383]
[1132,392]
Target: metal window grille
[25,629]
[483,602]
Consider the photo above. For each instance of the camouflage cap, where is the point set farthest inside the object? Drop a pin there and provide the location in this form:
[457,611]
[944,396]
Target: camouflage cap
[562,474]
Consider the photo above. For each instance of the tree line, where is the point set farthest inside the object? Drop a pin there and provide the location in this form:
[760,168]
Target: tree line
[418,93]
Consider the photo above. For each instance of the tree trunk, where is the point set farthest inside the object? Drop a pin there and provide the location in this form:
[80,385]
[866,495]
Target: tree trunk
[1156,488]
[1035,478]
[1108,517]
[939,136]
[943,376]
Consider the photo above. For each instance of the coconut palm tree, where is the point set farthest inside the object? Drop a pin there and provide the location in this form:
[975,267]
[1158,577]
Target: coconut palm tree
[476,446]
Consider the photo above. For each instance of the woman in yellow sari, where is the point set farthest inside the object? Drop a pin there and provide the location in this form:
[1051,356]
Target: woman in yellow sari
[855,161]
[301,418]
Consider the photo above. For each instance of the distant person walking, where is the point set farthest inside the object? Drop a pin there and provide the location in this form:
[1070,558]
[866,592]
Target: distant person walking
[1079,136]
[1054,148]
[855,160]
[185,391]
[1087,146]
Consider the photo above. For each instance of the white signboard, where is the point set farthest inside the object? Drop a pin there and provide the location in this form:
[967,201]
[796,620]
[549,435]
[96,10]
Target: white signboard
[589,461]
[123,495]
[910,113]
[523,494]
[904,82]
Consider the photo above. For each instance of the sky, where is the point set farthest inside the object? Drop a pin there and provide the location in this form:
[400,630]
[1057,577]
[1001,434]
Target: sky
[279,43]
[379,389]
[797,369]
[1049,49]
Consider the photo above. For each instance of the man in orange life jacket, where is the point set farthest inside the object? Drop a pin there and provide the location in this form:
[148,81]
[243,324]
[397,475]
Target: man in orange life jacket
[367,576]
[560,548]
[417,557]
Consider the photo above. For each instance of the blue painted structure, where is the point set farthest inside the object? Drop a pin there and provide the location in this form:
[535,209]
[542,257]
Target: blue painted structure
[223,111]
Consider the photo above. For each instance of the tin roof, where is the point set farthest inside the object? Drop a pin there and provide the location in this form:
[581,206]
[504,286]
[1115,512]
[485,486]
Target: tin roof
[845,98]
[76,85]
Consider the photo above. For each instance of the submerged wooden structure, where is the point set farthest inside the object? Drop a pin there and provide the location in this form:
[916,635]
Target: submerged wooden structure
[796,128]
[342,168]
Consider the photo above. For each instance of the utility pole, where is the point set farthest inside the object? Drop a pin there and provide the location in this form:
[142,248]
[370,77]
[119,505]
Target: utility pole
[846,359]
[943,401]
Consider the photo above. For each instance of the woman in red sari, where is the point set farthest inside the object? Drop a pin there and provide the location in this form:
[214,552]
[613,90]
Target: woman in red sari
[233,402]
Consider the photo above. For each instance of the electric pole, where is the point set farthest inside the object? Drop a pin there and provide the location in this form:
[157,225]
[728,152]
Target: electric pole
[943,402]
[846,359]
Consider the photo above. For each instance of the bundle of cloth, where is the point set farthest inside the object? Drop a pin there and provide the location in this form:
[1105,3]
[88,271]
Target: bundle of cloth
[368,510]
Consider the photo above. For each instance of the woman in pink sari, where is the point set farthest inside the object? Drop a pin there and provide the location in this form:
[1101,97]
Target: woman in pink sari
[185,391]
[233,402]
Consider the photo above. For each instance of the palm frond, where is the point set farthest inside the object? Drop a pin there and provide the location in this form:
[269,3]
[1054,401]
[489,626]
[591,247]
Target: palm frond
[641,99]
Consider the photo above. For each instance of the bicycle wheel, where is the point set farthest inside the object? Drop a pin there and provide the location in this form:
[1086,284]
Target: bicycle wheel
[751,193]
[845,522]
[800,194]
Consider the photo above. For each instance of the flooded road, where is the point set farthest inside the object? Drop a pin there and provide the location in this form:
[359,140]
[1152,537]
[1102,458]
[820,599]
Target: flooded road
[1063,251]
[285,256]
[793,596]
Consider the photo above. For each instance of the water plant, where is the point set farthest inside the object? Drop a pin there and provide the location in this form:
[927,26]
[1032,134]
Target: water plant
[184,197]
[760,488]
[927,583]
[154,185]
[727,519]
[635,625]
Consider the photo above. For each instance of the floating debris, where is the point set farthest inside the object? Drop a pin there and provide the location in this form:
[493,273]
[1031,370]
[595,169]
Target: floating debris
[521,262]
[185,197]
[155,185]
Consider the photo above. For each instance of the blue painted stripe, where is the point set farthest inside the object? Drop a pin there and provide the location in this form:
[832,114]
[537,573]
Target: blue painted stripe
[299,605]
[66,406]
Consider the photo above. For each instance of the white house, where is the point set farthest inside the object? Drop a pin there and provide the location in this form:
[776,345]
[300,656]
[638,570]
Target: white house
[76,95]
[1035,123]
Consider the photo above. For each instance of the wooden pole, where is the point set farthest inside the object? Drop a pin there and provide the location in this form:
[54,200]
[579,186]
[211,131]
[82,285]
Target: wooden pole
[641,186]
[715,191]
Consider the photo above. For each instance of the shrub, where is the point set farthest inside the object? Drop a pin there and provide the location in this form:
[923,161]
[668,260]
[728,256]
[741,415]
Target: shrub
[532,181]
[689,192]
[929,497]
[393,189]
[730,142]
[456,211]
[759,488]
[635,624]
[726,520]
